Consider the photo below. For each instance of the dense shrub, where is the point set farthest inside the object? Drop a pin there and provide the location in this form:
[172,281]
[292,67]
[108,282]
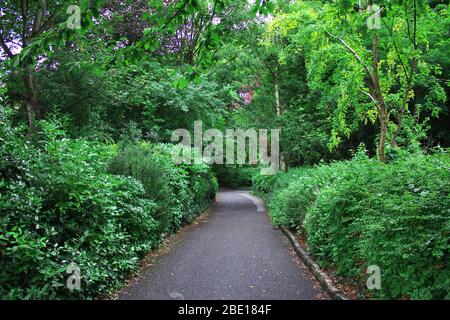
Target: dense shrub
[136,162]
[180,192]
[361,212]
[236,176]
[396,217]
[195,185]
[265,185]
[59,205]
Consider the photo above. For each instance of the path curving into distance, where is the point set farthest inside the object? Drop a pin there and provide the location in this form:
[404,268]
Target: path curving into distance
[236,254]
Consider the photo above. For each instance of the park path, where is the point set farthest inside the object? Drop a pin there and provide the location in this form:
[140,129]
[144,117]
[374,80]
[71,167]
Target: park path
[234,254]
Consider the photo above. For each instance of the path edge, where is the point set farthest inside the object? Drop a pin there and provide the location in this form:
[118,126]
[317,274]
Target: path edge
[147,260]
[314,268]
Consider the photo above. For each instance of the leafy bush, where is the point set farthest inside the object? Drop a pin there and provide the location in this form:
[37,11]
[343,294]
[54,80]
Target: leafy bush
[396,217]
[180,192]
[361,212]
[136,162]
[264,185]
[236,176]
[59,205]
[291,194]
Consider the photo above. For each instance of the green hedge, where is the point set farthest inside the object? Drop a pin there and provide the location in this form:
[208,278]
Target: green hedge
[179,191]
[361,212]
[60,203]
[236,176]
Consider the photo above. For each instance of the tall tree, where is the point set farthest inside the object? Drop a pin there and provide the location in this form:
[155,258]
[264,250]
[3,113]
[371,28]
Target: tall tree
[365,68]
[26,30]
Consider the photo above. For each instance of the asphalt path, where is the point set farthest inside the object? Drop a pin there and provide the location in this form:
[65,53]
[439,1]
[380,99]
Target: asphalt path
[236,254]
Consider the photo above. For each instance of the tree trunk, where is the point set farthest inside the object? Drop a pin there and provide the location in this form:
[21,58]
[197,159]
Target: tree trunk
[278,108]
[404,105]
[383,135]
[277,91]
[31,102]
[382,110]
[409,85]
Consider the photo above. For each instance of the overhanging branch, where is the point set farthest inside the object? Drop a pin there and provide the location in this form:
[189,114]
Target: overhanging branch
[5,48]
[353,52]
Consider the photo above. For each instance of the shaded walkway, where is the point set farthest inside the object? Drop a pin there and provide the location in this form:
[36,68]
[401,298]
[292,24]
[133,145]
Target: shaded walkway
[236,254]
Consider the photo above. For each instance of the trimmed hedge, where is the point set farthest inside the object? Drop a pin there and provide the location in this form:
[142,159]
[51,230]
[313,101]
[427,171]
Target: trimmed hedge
[361,213]
[63,200]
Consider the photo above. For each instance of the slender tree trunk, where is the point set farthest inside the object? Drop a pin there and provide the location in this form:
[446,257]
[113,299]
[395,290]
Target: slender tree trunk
[383,135]
[404,105]
[31,102]
[29,80]
[277,81]
[382,110]
[277,91]
[410,78]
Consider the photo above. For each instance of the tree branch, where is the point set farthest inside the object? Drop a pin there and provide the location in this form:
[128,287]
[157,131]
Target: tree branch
[409,78]
[24,12]
[369,95]
[5,48]
[408,26]
[396,48]
[353,52]
[37,23]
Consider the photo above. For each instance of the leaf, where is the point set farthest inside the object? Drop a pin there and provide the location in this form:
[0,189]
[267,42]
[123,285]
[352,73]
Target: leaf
[181,83]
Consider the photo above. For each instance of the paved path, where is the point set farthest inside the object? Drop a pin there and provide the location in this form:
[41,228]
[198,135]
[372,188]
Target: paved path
[236,254]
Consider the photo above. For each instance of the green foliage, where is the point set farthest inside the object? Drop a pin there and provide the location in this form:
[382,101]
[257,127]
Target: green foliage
[360,213]
[58,204]
[133,161]
[265,185]
[141,69]
[128,100]
[236,176]
[392,216]
[322,51]
[180,192]
[195,185]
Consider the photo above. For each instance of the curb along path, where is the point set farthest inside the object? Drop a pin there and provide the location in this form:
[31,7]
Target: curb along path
[236,255]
